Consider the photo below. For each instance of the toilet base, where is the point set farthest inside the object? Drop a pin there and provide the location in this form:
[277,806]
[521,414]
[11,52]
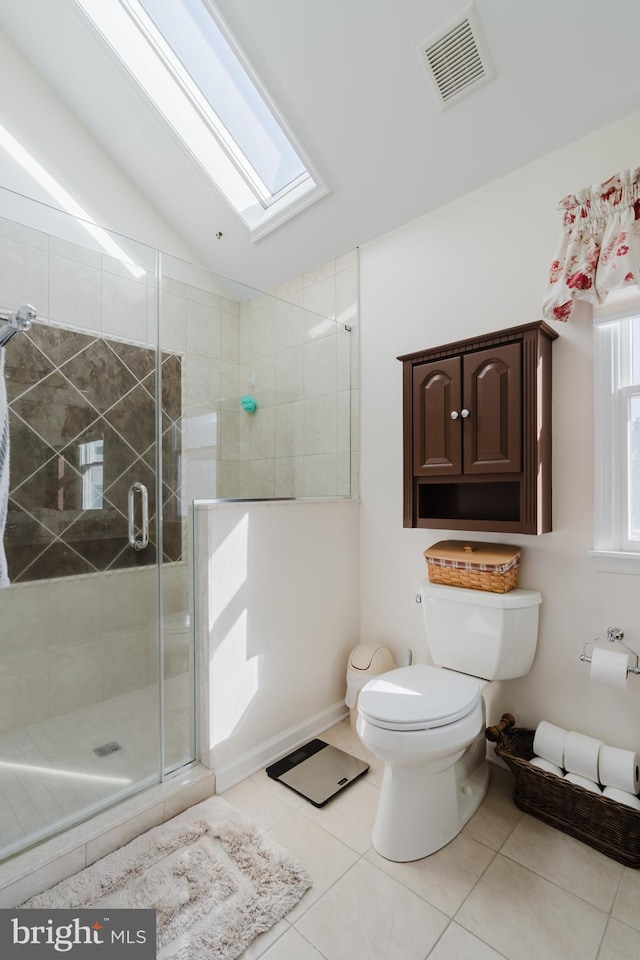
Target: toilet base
[421,811]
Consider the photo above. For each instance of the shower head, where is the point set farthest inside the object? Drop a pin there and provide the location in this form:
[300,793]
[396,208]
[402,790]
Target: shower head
[16,321]
[23,317]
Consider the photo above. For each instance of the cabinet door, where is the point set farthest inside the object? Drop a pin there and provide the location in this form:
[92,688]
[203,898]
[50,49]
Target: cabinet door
[492,392]
[437,438]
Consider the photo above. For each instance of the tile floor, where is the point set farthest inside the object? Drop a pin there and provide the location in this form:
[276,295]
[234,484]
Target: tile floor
[50,773]
[507,887]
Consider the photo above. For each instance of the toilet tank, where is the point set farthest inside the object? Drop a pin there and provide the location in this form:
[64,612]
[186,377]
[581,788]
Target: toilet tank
[489,635]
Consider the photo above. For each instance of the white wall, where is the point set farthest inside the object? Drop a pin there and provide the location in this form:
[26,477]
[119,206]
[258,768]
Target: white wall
[471,267]
[37,118]
[277,615]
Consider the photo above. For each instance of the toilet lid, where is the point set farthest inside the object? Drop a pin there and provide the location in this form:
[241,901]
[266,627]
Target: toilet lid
[419,697]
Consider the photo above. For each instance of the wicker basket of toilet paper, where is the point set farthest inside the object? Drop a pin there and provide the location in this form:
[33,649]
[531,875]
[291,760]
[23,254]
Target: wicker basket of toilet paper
[492,567]
[604,824]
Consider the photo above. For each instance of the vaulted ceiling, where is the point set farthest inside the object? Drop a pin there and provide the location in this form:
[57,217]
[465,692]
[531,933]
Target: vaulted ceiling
[347,77]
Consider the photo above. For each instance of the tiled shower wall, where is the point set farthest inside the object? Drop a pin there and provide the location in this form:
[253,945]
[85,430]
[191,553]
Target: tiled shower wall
[66,643]
[82,427]
[301,365]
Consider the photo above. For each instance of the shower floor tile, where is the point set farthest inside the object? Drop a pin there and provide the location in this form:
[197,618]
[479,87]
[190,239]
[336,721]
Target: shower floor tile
[49,772]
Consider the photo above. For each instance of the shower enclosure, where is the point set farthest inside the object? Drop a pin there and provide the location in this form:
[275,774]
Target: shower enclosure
[143,382]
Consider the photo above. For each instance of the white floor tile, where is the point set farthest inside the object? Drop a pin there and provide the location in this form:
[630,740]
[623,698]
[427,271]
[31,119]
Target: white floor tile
[626,906]
[497,816]
[526,917]
[324,857]
[259,802]
[368,915]
[349,816]
[457,943]
[620,942]
[569,863]
[291,946]
[279,790]
[36,789]
[447,877]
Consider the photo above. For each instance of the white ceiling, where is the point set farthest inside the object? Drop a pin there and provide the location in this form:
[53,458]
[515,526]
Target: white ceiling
[347,77]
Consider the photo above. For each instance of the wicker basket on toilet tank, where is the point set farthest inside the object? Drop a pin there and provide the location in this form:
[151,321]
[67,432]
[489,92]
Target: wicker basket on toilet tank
[492,567]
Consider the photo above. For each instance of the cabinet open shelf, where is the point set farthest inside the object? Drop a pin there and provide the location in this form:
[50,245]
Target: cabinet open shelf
[458,503]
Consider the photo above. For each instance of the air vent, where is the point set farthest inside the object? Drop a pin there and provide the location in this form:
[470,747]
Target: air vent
[457,58]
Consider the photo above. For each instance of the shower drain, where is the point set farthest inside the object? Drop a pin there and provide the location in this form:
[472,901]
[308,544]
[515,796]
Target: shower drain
[107,748]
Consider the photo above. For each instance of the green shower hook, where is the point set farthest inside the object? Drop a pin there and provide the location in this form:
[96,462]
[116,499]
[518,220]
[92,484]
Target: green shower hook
[248,403]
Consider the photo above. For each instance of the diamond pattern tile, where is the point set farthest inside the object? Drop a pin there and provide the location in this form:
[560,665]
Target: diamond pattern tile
[28,450]
[171,387]
[55,410]
[99,376]
[134,419]
[57,344]
[140,361]
[58,560]
[25,365]
[82,427]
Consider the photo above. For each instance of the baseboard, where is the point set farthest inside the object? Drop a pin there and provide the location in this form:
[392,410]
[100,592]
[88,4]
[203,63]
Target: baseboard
[271,750]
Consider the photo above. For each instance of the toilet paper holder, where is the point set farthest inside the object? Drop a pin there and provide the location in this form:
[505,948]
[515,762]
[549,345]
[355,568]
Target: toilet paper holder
[614,635]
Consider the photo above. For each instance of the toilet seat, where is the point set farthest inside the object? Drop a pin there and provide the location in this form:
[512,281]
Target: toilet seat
[419,697]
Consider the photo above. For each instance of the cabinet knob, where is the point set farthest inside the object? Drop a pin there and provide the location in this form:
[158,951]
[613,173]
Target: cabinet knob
[454,414]
[465,413]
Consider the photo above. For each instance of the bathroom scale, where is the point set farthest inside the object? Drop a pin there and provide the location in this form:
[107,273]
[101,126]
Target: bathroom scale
[317,771]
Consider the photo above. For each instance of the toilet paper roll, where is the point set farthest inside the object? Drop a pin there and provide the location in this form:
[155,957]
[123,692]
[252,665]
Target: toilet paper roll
[581,755]
[549,742]
[583,782]
[610,667]
[621,796]
[619,768]
[546,765]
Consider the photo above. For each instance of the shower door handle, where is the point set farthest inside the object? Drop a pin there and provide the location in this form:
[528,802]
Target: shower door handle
[143,542]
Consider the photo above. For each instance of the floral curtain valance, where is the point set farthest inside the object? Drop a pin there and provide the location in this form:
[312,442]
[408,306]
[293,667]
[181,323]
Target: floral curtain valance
[599,249]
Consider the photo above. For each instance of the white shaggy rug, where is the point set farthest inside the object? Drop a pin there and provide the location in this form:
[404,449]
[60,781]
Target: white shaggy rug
[214,878]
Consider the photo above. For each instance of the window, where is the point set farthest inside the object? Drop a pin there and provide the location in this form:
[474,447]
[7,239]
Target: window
[183,60]
[617,433]
[91,464]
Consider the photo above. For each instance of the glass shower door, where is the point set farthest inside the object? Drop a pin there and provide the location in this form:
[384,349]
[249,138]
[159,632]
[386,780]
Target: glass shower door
[92,401]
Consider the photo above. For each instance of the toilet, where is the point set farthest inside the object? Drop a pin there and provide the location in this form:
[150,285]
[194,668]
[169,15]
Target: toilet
[427,722]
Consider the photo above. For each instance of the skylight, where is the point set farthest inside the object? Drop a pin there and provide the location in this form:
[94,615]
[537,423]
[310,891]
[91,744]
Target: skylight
[181,58]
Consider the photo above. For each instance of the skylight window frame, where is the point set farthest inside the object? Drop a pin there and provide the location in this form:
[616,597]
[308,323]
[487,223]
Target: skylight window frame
[267,209]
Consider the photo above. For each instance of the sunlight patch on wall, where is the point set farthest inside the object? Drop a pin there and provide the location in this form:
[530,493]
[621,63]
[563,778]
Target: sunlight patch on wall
[66,201]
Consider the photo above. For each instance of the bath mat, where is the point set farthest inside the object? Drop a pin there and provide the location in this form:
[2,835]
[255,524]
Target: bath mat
[214,878]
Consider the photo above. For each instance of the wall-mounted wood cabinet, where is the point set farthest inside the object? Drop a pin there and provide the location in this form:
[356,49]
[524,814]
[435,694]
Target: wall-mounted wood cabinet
[477,433]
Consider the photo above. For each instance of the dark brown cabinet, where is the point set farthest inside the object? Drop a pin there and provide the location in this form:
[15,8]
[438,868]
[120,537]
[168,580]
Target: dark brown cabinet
[477,433]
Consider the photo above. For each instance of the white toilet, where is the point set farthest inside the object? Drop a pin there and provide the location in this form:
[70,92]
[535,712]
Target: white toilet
[427,722]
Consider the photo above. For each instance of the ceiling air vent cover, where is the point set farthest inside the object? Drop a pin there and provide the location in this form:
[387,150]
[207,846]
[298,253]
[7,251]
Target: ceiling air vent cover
[457,58]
